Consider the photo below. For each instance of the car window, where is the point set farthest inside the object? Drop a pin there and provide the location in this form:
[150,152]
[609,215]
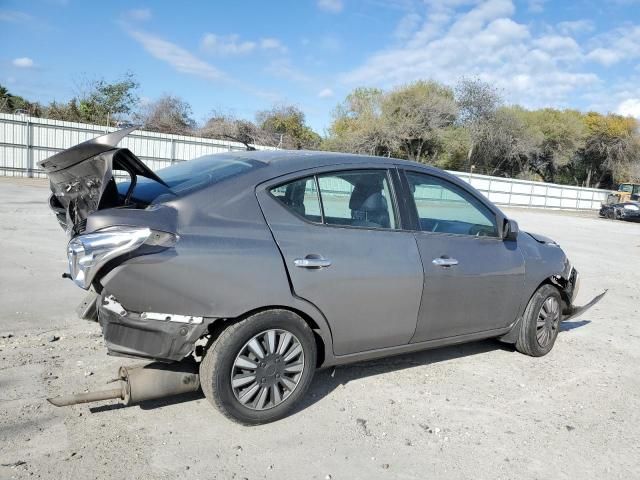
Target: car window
[184,177]
[357,198]
[301,197]
[446,208]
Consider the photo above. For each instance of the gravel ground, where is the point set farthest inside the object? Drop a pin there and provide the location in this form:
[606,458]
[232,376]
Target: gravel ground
[478,411]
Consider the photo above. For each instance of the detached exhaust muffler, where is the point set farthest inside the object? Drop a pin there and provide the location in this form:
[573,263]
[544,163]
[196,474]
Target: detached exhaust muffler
[140,383]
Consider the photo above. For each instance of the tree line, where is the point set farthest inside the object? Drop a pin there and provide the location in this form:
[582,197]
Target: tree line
[467,128]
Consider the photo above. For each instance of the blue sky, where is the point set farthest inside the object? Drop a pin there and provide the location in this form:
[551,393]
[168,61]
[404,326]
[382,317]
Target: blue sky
[243,56]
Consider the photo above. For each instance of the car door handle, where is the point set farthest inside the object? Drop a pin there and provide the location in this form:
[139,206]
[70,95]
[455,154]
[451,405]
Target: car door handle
[312,261]
[445,261]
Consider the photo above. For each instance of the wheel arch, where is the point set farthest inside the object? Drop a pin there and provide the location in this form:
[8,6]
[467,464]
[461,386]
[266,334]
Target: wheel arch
[556,281]
[321,336]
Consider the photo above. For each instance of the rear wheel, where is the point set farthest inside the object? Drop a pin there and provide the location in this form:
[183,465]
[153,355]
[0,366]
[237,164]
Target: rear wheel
[618,214]
[541,322]
[259,368]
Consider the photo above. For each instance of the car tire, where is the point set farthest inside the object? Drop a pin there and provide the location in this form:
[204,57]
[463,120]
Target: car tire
[234,355]
[541,322]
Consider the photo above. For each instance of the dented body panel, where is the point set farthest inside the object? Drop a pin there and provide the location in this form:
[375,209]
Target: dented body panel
[229,257]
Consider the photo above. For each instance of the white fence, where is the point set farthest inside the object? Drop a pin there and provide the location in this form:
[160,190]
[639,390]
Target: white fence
[525,193]
[24,141]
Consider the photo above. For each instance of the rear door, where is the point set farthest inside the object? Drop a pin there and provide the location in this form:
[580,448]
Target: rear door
[342,241]
[473,279]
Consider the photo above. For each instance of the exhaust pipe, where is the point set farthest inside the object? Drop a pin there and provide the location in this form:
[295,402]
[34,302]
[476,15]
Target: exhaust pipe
[140,383]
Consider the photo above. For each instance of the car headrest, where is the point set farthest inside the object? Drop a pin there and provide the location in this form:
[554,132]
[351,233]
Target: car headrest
[374,202]
[358,196]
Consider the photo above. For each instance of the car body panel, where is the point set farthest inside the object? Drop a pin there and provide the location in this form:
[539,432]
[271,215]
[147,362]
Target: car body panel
[483,292]
[229,262]
[81,175]
[354,293]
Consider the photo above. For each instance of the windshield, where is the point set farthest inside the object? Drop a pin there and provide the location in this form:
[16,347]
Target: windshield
[191,175]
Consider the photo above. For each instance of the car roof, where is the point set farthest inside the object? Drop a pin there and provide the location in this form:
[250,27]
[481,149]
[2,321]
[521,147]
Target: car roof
[281,162]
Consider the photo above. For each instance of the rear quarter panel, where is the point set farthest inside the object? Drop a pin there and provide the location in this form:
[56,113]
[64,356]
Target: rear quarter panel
[224,264]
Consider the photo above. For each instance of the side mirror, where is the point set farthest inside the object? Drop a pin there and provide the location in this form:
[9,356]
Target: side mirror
[510,230]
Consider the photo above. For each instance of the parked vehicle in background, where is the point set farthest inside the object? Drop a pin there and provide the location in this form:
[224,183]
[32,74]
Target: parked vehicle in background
[267,265]
[621,211]
[626,192]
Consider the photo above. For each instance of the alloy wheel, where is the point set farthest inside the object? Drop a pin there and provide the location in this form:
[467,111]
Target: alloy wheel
[548,321]
[267,369]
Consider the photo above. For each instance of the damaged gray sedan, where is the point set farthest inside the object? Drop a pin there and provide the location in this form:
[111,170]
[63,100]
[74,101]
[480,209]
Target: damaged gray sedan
[250,270]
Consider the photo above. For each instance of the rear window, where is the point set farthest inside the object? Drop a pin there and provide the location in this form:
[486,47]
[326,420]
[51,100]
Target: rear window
[191,175]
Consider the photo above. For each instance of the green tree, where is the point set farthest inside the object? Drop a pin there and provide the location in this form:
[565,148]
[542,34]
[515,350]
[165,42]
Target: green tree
[505,143]
[228,127]
[358,126]
[562,134]
[455,143]
[611,151]
[416,115]
[64,111]
[478,104]
[10,103]
[107,103]
[285,126]
[168,114]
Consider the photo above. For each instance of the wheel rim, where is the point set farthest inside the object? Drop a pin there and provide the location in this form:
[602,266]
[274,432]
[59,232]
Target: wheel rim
[267,369]
[548,321]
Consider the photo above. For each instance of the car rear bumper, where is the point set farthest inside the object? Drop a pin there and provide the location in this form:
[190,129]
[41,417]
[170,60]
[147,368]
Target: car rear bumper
[162,337]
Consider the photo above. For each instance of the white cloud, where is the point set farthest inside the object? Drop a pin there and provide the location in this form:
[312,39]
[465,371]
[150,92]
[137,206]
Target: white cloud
[283,68]
[138,14]
[622,44]
[228,45]
[22,62]
[330,43]
[605,56]
[537,6]
[559,47]
[630,108]
[407,25]
[575,27]
[325,93]
[14,16]
[331,6]
[177,57]
[272,44]
[483,39]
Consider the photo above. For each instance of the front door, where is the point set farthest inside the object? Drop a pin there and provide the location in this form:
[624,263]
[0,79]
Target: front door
[341,243]
[473,279]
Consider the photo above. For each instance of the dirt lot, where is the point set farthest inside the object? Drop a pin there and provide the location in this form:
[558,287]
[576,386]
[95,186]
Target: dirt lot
[474,411]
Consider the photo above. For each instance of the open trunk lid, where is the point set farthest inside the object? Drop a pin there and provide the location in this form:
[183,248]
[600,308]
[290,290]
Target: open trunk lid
[82,181]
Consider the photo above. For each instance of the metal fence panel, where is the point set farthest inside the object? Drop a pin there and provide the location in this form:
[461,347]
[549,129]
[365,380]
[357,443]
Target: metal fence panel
[526,193]
[24,141]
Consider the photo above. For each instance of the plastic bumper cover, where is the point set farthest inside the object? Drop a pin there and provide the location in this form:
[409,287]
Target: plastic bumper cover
[149,336]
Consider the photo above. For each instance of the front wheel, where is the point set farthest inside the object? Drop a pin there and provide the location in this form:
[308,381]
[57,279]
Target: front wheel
[260,367]
[541,322]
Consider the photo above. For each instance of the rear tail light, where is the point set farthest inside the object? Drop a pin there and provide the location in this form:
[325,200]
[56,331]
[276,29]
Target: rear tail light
[88,253]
